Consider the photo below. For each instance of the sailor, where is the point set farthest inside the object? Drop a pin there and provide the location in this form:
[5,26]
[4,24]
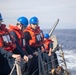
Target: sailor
[48,43]
[33,34]
[17,32]
[7,46]
[34,38]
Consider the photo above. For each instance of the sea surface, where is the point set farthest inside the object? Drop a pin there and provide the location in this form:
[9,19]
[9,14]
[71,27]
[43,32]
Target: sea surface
[67,38]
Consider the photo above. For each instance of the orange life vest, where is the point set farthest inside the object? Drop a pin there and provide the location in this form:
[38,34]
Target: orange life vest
[36,36]
[46,44]
[6,40]
[20,35]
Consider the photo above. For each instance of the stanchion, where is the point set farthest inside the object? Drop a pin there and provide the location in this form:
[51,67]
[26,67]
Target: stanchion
[41,64]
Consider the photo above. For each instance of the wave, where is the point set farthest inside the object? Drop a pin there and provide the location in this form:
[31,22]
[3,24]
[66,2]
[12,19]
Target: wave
[70,58]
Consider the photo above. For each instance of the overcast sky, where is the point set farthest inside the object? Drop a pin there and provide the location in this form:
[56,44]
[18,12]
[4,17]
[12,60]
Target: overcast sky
[48,11]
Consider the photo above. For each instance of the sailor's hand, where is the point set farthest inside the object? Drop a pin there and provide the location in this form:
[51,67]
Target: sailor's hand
[49,54]
[30,56]
[26,58]
[17,57]
[35,53]
[42,51]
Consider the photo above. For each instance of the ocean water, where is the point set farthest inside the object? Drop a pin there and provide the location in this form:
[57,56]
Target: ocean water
[67,38]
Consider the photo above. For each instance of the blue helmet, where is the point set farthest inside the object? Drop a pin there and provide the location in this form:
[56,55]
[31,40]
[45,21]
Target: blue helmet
[34,20]
[23,20]
[46,35]
[1,17]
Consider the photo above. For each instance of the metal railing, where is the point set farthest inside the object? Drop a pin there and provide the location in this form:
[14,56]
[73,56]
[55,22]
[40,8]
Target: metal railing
[18,68]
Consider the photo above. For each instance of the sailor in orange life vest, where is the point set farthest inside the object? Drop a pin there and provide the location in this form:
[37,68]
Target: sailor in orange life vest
[48,43]
[47,49]
[34,38]
[7,46]
[17,32]
[33,34]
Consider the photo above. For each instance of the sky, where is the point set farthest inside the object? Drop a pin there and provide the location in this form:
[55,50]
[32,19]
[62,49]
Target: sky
[47,11]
